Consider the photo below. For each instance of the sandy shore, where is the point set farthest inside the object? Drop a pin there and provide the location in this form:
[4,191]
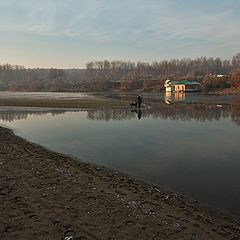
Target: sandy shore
[46,195]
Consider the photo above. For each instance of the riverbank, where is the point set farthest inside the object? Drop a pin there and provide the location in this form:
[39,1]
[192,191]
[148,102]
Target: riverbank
[227,91]
[60,100]
[46,195]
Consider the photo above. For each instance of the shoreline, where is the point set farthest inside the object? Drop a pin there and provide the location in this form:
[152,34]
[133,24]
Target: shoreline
[47,195]
[85,102]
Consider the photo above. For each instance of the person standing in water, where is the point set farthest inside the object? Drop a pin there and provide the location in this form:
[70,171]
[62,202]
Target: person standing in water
[139,100]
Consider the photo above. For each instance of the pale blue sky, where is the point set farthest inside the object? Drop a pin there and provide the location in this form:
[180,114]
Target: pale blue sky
[68,33]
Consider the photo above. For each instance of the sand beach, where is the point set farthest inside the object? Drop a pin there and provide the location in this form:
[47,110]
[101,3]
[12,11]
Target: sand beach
[46,195]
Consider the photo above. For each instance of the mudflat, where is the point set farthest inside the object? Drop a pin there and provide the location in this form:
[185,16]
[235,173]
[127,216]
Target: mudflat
[46,195]
[60,100]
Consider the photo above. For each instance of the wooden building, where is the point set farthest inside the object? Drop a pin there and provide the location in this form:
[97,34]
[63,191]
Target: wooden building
[182,86]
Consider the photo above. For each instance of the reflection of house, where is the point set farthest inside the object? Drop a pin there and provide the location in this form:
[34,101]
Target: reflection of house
[174,97]
[182,86]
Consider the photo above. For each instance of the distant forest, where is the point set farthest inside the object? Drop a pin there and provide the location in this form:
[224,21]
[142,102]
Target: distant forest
[122,75]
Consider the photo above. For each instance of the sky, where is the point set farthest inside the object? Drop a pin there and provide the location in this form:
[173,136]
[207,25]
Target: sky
[69,33]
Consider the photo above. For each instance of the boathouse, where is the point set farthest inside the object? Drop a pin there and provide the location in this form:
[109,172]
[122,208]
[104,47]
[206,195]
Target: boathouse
[182,86]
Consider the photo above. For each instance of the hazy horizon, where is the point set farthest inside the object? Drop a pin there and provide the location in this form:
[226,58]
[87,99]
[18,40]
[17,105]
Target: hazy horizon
[68,34]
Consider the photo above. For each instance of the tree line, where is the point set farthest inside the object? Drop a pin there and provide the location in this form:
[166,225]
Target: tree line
[125,75]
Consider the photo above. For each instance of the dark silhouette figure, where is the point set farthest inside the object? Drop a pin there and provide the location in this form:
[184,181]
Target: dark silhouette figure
[139,114]
[133,104]
[139,100]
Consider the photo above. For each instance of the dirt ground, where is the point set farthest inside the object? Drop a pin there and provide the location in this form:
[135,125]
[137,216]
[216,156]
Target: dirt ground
[46,195]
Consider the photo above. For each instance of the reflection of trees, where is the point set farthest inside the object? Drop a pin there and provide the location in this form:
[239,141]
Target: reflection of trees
[187,112]
[235,116]
[116,114]
[184,112]
[11,115]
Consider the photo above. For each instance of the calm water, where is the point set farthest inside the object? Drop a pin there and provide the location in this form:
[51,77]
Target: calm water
[188,144]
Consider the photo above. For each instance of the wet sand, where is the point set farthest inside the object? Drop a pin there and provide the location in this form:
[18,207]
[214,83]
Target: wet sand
[46,195]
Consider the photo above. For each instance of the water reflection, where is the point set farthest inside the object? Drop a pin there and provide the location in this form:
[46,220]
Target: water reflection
[137,112]
[9,114]
[171,110]
[178,106]
[174,97]
[167,146]
[199,112]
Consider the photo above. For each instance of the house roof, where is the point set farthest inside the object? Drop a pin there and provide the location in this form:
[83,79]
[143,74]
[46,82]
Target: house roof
[185,82]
